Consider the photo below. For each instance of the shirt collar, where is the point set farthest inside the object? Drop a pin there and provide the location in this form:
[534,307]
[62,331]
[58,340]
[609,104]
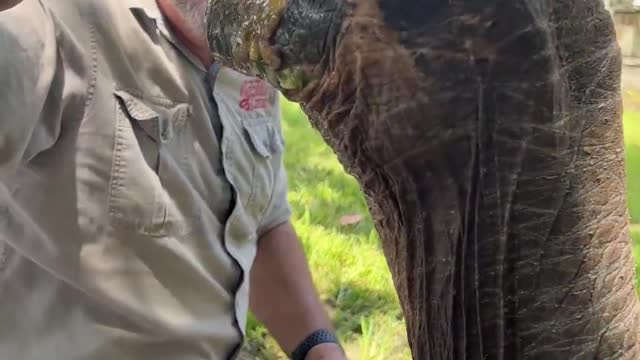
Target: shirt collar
[150,9]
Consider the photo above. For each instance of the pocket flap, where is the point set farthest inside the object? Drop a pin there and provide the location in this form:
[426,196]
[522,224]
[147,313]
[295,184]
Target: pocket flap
[146,118]
[265,137]
[136,108]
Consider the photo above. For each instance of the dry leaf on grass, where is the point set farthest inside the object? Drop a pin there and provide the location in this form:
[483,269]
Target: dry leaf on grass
[352,219]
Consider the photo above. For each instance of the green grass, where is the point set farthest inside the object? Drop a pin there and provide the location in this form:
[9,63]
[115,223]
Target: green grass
[347,262]
[632,142]
[635,236]
[349,268]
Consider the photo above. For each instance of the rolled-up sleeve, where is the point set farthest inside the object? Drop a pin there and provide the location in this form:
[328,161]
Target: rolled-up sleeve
[279,210]
[28,63]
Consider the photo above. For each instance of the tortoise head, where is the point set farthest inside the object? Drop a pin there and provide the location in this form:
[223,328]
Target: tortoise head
[286,42]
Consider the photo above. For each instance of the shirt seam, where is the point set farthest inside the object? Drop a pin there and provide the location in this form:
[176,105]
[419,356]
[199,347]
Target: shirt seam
[156,100]
[93,77]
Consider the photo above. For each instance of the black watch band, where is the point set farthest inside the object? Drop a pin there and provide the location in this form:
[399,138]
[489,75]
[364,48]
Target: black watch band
[316,338]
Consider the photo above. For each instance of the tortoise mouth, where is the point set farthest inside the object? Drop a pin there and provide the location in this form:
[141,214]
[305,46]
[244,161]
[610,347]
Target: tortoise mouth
[287,42]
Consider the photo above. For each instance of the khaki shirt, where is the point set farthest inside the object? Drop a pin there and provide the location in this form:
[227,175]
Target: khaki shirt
[134,185]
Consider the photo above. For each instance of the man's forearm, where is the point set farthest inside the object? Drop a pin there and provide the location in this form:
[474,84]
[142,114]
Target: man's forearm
[282,293]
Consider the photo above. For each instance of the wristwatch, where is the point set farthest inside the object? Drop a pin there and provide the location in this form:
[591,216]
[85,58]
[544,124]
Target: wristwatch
[316,338]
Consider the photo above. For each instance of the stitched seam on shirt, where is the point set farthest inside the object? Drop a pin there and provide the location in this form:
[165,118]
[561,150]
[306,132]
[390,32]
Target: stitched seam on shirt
[117,167]
[157,100]
[93,80]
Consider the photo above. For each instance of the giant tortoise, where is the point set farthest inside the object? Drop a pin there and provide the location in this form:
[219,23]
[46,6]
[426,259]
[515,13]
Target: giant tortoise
[486,136]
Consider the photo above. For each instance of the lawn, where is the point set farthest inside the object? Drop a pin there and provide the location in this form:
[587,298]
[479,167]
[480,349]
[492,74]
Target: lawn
[346,260]
[632,140]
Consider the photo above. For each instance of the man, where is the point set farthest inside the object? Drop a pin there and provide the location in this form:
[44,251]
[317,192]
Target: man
[141,191]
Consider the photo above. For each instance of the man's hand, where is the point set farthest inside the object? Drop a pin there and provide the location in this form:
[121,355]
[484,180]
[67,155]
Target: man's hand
[8,4]
[283,296]
[327,351]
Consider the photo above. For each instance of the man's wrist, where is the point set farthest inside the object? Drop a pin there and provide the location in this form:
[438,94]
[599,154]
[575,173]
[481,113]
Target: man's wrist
[326,351]
[319,338]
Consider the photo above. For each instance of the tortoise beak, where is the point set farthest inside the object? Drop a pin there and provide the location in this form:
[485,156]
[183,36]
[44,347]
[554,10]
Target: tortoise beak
[282,41]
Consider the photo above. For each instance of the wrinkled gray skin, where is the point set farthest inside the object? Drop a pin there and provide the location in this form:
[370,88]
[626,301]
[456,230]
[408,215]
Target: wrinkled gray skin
[487,138]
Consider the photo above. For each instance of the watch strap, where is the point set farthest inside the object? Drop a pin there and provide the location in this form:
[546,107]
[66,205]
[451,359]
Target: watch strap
[316,338]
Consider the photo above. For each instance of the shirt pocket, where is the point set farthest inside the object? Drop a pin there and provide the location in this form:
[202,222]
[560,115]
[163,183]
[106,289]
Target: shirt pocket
[140,197]
[267,145]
